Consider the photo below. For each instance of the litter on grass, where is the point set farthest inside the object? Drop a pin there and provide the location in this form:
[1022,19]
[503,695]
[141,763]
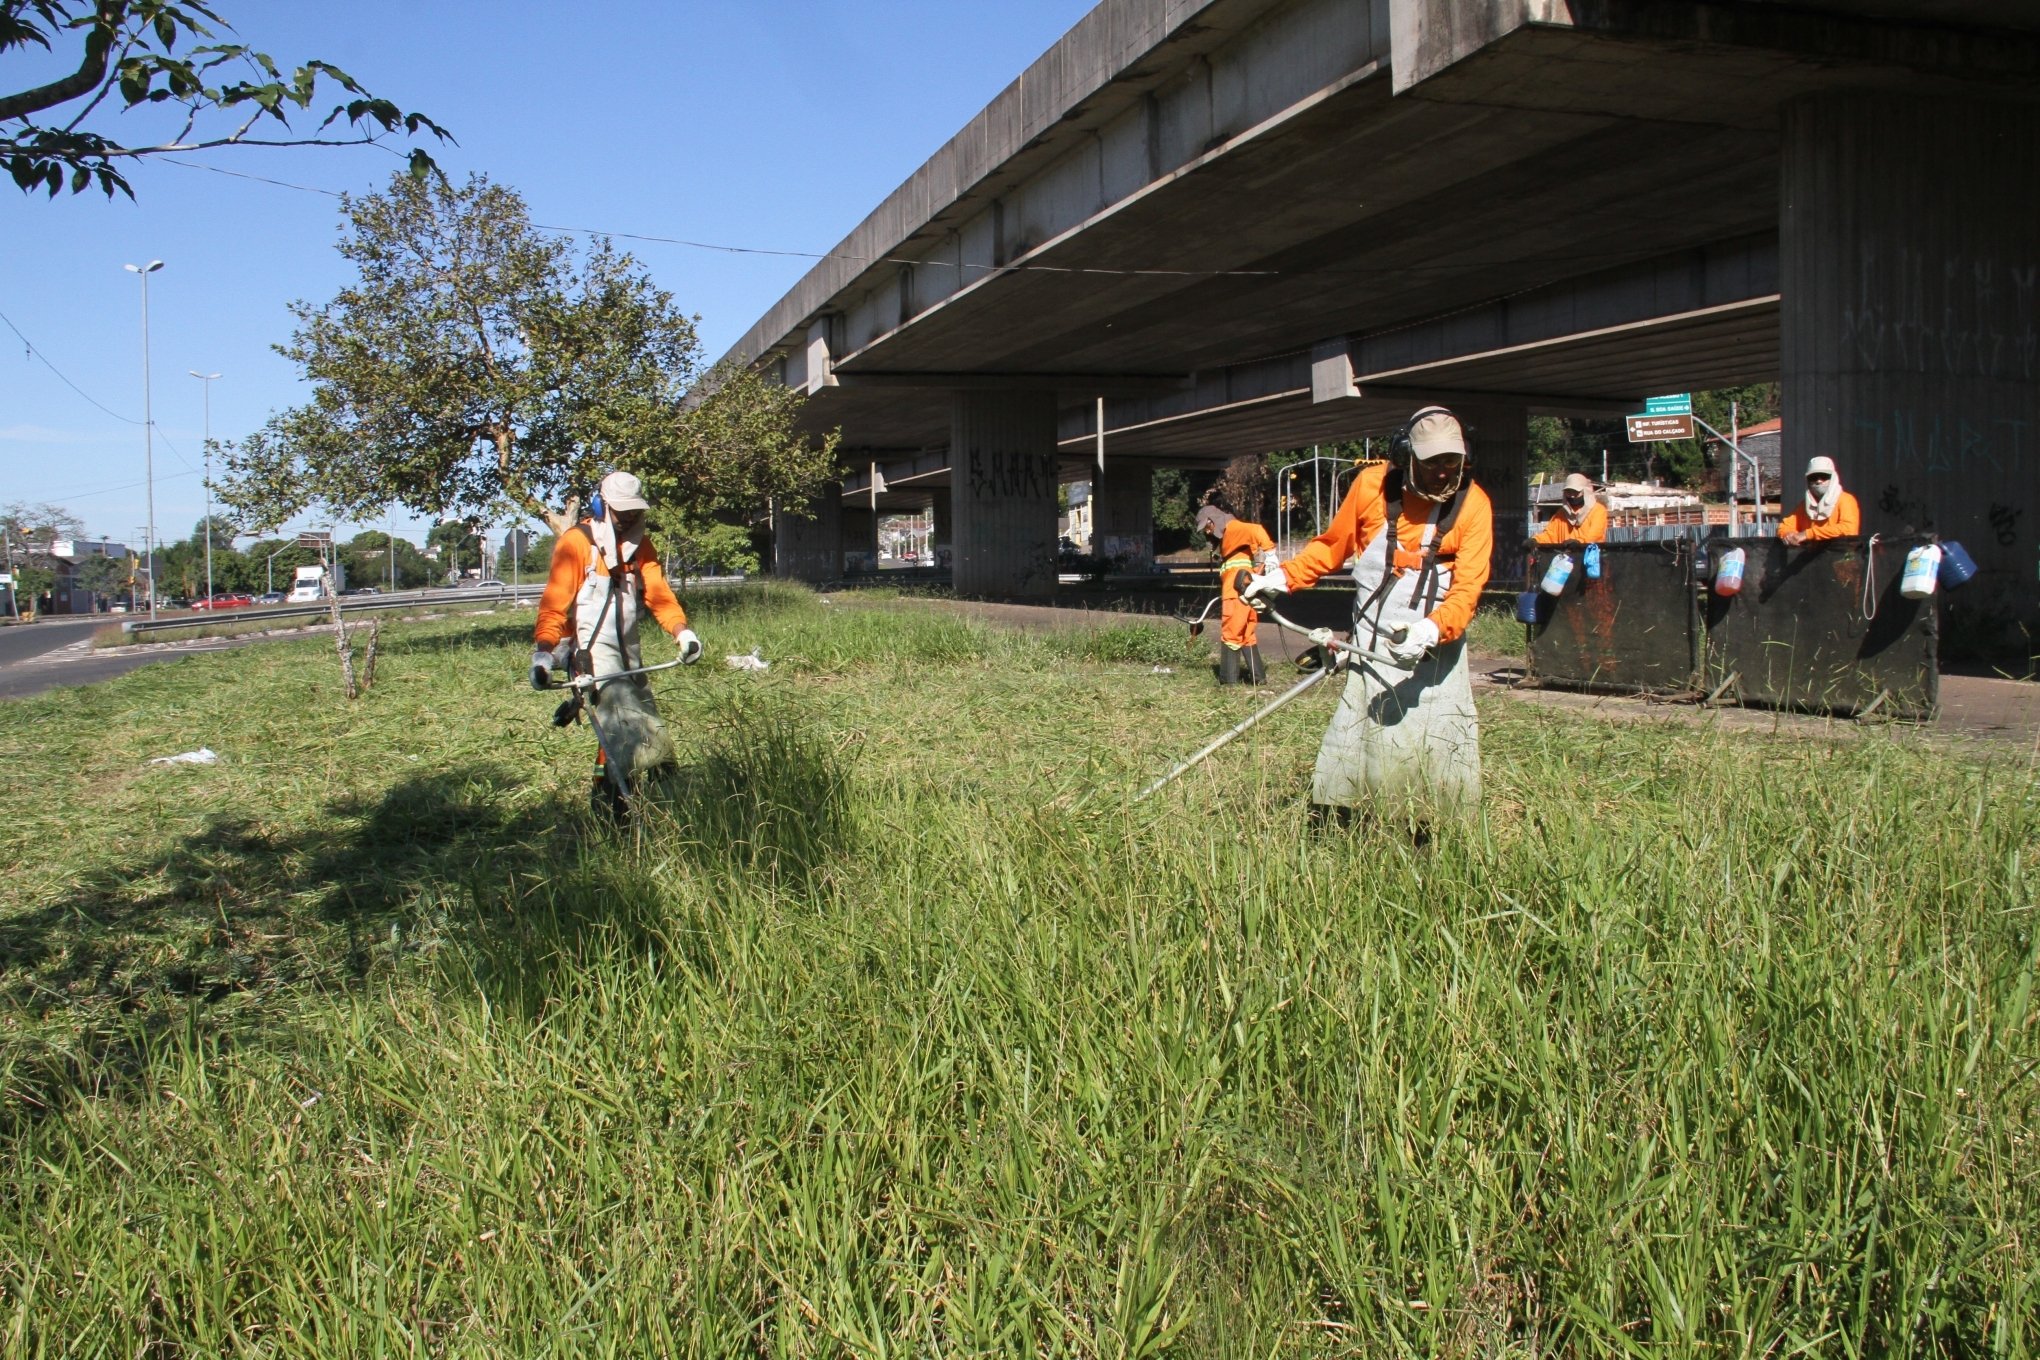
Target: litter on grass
[753,662]
[202,756]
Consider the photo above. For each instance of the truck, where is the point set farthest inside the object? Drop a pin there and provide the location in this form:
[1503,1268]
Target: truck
[316,582]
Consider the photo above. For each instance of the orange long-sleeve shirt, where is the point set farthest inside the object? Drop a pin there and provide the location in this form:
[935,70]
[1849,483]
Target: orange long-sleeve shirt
[1592,528]
[1244,538]
[1845,522]
[571,555]
[1470,542]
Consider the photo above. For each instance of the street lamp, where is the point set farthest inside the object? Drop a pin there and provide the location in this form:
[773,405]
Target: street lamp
[207,379]
[148,423]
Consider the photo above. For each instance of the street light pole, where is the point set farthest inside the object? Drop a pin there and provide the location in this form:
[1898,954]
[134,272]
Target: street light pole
[207,379]
[148,423]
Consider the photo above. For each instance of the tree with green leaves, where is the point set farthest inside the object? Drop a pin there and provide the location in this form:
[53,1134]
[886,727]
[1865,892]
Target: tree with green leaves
[478,365]
[128,60]
[29,533]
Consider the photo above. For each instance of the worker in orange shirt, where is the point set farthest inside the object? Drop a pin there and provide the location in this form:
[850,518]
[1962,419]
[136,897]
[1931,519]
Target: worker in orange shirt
[1829,511]
[1242,547]
[1421,536]
[605,574]
[1581,519]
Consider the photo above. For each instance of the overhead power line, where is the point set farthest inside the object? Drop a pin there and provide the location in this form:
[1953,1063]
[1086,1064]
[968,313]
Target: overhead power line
[30,345]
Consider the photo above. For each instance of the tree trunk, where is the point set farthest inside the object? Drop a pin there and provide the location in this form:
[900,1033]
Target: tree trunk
[346,655]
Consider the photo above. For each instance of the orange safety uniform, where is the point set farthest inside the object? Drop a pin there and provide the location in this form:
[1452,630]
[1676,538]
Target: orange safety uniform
[1242,546]
[1592,528]
[574,560]
[1469,544]
[1845,522]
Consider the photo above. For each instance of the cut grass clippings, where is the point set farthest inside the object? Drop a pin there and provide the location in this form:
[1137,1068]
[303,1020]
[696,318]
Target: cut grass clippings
[891,1028]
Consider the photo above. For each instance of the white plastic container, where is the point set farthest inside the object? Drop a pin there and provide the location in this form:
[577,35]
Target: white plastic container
[1728,575]
[1557,574]
[1922,570]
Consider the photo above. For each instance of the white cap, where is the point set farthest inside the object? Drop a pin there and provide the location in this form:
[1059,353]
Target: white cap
[1578,481]
[622,491]
[1434,431]
[1821,464]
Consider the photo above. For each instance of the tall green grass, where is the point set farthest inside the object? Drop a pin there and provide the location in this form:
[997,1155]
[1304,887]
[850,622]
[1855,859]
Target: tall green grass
[875,1035]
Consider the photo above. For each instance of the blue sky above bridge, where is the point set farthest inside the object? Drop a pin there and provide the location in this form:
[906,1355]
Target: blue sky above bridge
[767,125]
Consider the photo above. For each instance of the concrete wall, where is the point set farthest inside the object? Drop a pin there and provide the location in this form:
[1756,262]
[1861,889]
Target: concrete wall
[1911,346]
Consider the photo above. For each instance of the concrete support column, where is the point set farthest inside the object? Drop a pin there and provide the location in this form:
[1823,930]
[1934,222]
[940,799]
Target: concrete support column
[810,549]
[1909,257]
[1123,514]
[1500,435]
[860,540]
[942,530]
[1002,492]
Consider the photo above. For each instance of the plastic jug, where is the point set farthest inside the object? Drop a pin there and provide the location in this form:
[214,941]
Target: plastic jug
[1557,574]
[1957,566]
[1922,568]
[1728,576]
[1591,560]
[1526,607]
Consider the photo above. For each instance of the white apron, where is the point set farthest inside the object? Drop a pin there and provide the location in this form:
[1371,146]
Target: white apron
[623,713]
[1401,744]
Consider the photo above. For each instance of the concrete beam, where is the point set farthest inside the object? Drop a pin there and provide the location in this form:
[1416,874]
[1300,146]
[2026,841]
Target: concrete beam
[1091,384]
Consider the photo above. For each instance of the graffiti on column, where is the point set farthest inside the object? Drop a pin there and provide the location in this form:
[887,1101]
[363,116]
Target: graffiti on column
[1931,443]
[1964,316]
[1009,473]
[2004,523]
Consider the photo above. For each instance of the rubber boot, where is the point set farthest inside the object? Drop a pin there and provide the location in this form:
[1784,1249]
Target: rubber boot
[1256,670]
[1228,664]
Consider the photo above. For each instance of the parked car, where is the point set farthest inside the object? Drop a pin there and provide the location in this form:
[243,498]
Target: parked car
[229,600]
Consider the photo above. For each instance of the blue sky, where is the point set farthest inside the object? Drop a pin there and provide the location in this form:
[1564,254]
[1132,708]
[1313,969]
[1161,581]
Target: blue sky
[754,123]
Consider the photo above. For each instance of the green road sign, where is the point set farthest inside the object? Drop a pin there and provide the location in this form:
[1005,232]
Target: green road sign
[1675,404]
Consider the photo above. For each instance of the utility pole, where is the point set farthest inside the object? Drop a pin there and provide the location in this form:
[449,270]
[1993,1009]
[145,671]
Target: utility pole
[207,379]
[148,426]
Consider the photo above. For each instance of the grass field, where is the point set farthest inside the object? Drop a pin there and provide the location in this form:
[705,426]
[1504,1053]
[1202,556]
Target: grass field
[892,1029]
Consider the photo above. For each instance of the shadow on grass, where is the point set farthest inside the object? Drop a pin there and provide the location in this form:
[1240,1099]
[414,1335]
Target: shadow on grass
[243,905]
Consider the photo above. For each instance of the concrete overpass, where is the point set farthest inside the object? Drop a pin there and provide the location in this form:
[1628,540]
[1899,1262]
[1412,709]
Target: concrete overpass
[1209,227]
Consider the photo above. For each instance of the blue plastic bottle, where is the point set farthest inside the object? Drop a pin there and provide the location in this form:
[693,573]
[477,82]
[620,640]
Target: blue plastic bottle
[1591,558]
[1957,566]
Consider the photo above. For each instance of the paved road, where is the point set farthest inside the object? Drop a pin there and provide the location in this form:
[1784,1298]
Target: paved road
[18,642]
[61,653]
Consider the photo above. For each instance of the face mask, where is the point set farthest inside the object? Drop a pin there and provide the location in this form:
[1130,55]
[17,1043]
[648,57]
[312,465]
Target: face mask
[1439,477]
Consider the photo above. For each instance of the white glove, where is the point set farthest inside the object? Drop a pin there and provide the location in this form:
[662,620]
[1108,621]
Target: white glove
[541,668]
[1271,582]
[1421,637]
[1270,560]
[690,646]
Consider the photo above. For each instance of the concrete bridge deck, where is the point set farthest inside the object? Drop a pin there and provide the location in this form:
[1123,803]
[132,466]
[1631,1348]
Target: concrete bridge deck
[1197,229]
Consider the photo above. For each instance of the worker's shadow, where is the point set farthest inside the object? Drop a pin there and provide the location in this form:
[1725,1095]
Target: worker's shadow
[245,908]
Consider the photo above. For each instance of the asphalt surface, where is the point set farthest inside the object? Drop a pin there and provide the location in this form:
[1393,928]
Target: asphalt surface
[39,656]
